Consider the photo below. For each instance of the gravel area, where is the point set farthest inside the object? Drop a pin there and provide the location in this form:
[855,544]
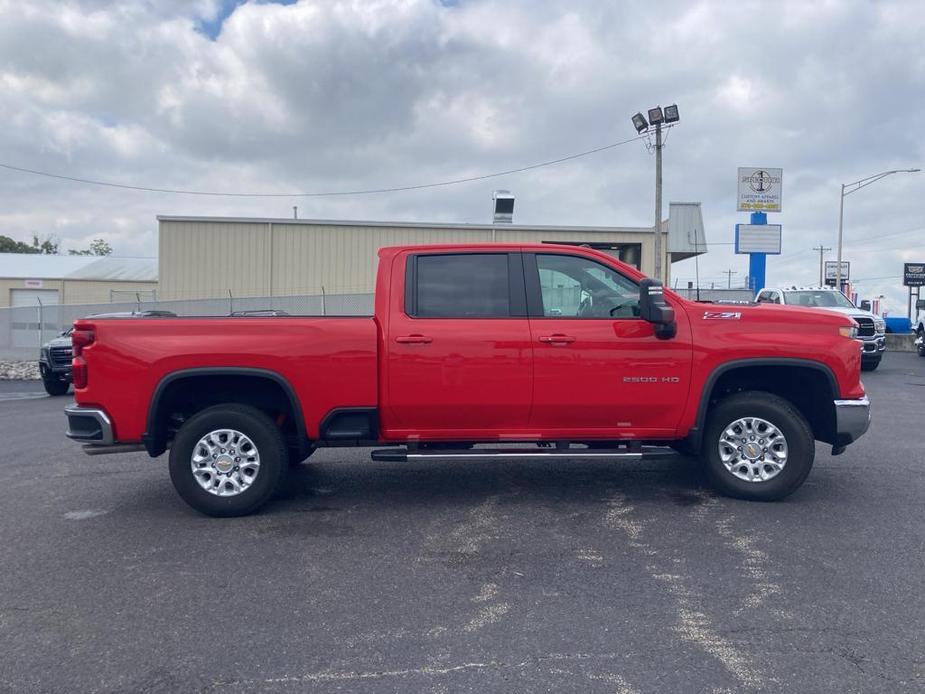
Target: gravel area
[19,371]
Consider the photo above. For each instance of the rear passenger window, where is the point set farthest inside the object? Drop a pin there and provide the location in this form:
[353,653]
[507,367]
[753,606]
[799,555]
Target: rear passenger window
[471,285]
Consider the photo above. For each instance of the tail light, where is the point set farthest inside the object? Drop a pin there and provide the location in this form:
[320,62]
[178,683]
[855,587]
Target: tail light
[79,372]
[79,340]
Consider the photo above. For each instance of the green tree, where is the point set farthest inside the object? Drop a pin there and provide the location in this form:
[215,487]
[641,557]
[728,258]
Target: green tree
[47,246]
[8,245]
[97,247]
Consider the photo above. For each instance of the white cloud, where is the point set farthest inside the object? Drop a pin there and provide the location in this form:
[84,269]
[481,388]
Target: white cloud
[343,94]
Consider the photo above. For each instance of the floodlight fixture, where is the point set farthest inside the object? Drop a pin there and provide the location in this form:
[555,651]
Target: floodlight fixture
[671,114]
[639,122]
[655,116]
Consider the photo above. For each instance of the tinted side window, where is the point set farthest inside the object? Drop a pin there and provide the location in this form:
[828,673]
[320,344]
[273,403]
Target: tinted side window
[471,285]
[580,288]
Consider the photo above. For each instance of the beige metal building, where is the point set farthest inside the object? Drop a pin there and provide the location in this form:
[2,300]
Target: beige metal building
[29,279]
[212,257]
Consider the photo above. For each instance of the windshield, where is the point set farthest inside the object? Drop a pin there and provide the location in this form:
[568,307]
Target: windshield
[818,299]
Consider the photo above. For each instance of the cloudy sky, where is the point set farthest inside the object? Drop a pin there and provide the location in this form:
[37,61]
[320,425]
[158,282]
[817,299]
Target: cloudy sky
[333,95]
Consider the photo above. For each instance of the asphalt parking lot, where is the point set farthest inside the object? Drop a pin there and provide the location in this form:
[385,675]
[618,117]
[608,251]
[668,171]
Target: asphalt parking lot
[474,577]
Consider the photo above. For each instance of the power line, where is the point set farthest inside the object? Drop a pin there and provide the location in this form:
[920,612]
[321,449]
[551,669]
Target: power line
[368,191]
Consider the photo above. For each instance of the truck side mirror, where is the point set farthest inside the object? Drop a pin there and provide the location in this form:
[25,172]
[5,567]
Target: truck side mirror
[654,309]
[920,305]
[865,305]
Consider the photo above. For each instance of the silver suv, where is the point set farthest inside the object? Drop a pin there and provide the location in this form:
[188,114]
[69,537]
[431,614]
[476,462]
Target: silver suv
[871,327]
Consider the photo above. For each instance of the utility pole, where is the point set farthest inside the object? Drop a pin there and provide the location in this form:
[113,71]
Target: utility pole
[658,202]
[822,251]
[657,117]
[729,273]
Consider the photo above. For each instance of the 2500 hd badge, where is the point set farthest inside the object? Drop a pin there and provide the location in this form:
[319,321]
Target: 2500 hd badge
[651,379]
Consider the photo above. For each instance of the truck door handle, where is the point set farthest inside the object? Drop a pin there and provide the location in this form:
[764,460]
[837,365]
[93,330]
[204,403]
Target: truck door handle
[414,339]
[557,339]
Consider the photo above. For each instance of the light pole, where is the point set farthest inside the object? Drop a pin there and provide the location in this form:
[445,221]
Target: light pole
[656,118]
[848,189]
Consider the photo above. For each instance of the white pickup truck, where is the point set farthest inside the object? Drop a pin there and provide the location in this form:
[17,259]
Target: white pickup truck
[871,327]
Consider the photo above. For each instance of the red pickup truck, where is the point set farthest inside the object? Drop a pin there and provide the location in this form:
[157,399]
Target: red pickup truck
[563,350]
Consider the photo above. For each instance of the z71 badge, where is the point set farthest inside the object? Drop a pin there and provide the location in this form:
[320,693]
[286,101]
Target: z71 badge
[722,315]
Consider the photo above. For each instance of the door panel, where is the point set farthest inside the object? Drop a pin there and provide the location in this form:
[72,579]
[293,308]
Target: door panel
[613,375]
[607,376]
[467,373]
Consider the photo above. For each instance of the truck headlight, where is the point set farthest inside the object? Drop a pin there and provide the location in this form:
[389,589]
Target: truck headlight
[879,325]
[850,331]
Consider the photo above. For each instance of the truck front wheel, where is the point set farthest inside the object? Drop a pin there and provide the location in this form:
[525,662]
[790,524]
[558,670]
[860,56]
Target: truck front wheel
[55,385]
[757,446]
[228,460]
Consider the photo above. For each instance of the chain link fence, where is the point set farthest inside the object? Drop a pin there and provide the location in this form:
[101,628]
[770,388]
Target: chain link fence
[718,295]
[24,329]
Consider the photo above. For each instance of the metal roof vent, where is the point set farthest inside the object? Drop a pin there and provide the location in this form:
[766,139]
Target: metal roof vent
[503,205]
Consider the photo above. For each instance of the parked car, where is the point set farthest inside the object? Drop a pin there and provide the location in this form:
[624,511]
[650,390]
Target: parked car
[55,364]
[871,327]
[55,355]
[563,350]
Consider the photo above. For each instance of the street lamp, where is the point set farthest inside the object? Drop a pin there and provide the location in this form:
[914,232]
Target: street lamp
[848,189]
[657,117]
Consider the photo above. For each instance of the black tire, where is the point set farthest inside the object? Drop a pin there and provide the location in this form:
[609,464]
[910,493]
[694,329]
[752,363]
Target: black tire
[870,365]
[54,385]
[779,412]
[264,434]
[921,346]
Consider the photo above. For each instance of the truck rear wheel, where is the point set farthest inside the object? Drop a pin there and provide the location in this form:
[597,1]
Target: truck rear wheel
[228,460]
[757,446]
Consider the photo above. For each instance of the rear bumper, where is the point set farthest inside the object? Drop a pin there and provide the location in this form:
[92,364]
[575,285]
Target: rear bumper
[852,419]
[88,425]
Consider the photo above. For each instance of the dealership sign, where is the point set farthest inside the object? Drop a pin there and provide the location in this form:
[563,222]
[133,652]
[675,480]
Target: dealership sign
[831,267]
[914,274]
[758,238]
[760,189]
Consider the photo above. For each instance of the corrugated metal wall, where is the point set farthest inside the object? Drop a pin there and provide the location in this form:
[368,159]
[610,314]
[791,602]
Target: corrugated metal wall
[78,291]
[207,258]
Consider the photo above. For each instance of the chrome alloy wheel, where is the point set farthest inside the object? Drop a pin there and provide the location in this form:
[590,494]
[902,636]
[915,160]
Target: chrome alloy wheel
[225,462]
[753,449]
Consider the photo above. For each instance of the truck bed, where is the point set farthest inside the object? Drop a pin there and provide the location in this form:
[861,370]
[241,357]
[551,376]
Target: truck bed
[329,361]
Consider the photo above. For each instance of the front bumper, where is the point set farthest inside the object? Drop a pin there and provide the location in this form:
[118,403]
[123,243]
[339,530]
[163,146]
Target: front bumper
[852,419]
[88,425]
[59,371]
[873,347]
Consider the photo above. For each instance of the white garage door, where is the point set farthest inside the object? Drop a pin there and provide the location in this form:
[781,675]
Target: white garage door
[26,330]
[31,297]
